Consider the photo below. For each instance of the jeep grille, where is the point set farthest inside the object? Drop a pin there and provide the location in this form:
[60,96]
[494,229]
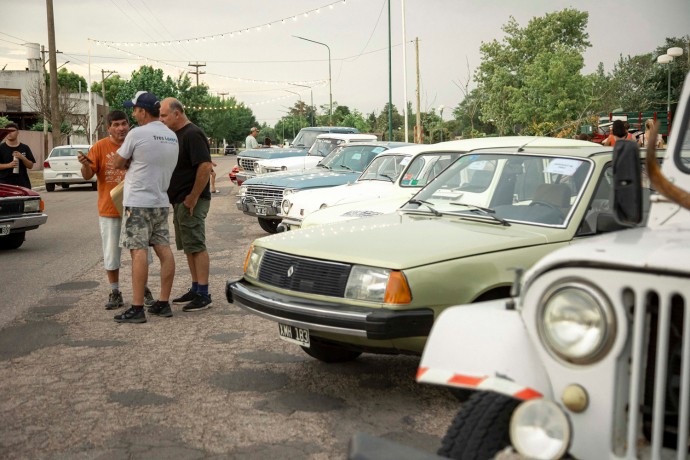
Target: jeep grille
[660,367]
[300,274]
[264,194]
[247,163]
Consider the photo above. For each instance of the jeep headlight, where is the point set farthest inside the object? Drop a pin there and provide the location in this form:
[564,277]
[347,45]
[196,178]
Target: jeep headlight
[243,190]
[377,285]
[253,261]
[577,322]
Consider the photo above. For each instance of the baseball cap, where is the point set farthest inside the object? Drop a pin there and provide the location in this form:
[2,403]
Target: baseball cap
[143,99]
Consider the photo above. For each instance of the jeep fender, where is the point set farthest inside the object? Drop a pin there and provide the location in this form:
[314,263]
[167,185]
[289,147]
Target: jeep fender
[484,346]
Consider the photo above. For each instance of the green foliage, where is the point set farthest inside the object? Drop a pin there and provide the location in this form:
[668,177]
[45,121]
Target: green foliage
[65,128]
[4,121]
[113,87]
[69,81]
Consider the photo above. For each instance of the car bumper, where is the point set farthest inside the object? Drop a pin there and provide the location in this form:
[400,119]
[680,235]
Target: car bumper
[65,177]
[251,207]
[244,175]
[355,321]
[24,223]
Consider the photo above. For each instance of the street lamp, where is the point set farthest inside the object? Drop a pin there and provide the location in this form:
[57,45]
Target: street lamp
[299,98]
[330,88]
[311,96]
[666,59]
[440,109]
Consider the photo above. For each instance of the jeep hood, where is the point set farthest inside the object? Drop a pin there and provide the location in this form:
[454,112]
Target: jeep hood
[405,240]
[7,190]
[316,177]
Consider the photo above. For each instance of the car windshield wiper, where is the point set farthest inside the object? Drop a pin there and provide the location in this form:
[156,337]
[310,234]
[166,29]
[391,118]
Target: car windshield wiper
[484,211]
[321,165]
[346,167]
[392,179]
[428,205]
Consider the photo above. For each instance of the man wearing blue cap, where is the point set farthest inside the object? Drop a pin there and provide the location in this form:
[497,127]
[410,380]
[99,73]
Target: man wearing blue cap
[149,153]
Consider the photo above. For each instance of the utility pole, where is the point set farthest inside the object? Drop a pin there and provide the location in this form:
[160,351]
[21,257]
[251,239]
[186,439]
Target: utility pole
[390,78]
[54,104]
[103,77]
[197,72]
[44,96]
[418,137]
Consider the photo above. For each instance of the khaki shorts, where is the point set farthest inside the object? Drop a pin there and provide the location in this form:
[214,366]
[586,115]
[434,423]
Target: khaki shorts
[144,227]
[190,231]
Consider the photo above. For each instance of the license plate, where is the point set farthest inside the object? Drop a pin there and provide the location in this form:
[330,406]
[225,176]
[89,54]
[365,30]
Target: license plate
[65,175]
[5,229]
[294,334]
[261,210]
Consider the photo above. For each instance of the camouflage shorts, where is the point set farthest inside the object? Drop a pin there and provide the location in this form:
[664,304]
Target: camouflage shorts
[144,227]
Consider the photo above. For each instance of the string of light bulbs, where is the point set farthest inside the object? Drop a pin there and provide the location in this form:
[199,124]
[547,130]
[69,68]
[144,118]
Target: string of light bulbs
[223,35]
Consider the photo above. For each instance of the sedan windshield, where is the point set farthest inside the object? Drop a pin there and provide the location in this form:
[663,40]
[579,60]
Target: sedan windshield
[518,188]
[67,152]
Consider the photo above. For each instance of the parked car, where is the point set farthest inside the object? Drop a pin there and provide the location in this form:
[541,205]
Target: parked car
[324,144]
[381,181]
[261,196]
[376,194]
[230,150]
[62,167]
[21,210]
[246,159]
[595,338]
[377,284]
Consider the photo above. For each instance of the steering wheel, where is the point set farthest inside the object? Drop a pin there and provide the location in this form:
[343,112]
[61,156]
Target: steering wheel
[548,205]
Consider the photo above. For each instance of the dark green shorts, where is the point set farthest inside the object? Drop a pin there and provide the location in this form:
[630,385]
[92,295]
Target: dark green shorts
[190,231]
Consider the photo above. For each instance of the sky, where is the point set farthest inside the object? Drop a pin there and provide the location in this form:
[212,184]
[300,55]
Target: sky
[263,66]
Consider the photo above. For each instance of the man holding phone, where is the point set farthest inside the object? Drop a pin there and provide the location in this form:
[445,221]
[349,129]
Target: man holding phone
[100,162]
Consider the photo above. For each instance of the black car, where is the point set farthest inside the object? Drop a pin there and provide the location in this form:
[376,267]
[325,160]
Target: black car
[230,150]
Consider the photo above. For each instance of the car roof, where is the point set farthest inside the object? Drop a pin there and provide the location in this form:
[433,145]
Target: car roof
[72,146]
[510,141]
[347,136]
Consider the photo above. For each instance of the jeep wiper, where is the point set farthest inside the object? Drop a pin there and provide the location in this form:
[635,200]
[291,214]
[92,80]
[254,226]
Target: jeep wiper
[428,205]
[484,211]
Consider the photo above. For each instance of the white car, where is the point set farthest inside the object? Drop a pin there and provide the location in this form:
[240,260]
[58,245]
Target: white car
[383,179]
[386,200]
[62,167]
[324,144]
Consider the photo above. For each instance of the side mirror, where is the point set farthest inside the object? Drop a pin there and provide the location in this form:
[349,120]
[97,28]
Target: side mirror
[627,183]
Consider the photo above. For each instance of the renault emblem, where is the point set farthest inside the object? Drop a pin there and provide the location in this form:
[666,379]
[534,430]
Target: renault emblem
[290,271]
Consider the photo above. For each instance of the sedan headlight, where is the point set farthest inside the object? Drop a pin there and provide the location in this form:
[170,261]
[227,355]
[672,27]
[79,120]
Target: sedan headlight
[377,285]
[32,205]
[253,261]
[577,322]
[285,207]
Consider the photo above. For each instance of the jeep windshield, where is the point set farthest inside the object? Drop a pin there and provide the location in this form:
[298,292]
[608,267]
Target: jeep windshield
[322,147]
[305,139]
[530,189]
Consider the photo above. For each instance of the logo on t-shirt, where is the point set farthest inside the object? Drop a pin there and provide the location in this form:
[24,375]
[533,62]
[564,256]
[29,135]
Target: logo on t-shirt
[165,139]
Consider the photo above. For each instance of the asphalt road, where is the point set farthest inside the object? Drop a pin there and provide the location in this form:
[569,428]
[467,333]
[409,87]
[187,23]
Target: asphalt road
[212,384]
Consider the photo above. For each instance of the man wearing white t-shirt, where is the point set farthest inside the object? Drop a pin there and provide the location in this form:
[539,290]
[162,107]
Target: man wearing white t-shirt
[149,153]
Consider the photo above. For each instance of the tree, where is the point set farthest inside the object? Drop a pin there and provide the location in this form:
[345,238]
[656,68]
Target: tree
[113,87]
[69,81]
[145,79]
[532,79]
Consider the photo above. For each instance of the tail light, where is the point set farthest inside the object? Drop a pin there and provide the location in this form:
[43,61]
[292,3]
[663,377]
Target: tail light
[46,164]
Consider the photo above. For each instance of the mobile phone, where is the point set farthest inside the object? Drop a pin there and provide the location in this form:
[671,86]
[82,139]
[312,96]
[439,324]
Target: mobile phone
[83,154]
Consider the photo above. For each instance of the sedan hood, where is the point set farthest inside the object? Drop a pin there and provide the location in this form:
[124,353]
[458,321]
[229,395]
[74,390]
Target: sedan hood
[264,154]
[406,240]
[7,190]
[317,177]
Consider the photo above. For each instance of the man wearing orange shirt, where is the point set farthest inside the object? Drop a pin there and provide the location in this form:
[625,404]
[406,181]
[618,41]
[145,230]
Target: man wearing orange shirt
[99,161]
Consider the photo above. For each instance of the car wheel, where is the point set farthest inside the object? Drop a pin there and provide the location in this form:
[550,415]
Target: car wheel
[50,187]
[12,241]
[481,428]
[65,186]
[330,353]
[94,186]
[269,225]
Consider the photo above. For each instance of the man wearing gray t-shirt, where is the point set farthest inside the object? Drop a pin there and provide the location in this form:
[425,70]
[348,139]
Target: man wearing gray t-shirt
[149,153]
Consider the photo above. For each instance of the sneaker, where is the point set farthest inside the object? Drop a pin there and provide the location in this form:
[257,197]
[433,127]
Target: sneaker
[200,302]
[161,309]
[148,298]
[186,297]
[131,315]
[114,300]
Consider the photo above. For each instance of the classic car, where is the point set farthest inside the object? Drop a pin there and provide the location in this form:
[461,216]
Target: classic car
[21,210]
[63,168]
[375,194]
[377,284]
[246,159]
[261,196]
[324,144]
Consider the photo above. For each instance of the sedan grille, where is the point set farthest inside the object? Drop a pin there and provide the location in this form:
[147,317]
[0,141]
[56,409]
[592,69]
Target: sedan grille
[247,163]
[264,194]
[299,274]
[10,208]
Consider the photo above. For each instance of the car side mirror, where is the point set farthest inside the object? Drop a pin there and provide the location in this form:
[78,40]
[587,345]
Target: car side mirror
[627,183]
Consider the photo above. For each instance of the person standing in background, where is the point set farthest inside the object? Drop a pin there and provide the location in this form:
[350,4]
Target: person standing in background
[15,159]
[250,141]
